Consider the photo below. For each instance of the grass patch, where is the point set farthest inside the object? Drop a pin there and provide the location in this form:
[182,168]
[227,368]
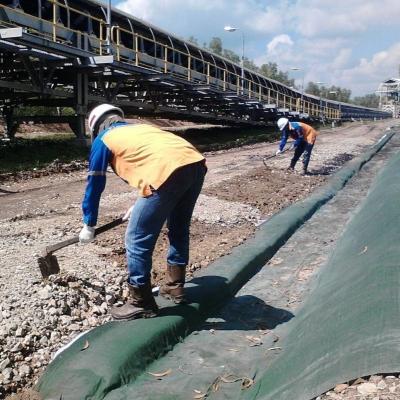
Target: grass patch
[35,153]
[226,138]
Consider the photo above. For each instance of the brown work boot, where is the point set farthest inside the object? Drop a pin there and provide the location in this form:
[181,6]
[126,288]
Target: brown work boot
[140,305]
[173,288]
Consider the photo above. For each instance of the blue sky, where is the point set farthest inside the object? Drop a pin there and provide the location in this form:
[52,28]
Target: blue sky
[350,43]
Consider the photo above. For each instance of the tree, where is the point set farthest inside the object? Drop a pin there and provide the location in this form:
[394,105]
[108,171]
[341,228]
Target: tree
[216,45]
[369,100]
[271,70]
[331,93]
[231,55]
[249,64]
[193,40]
[313,88]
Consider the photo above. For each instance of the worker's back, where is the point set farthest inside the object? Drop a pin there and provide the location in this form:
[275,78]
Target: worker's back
[145,155]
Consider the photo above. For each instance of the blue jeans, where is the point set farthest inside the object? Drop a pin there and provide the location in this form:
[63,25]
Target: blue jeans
[303,147]
[173,202]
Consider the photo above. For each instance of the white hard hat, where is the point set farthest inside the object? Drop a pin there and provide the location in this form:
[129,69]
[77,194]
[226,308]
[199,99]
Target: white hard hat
[99,111]
[282,122]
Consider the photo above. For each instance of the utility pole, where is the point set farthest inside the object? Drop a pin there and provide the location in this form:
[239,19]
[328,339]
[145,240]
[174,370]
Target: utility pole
[302,87]
[108,27]
[232,29]
[322,114]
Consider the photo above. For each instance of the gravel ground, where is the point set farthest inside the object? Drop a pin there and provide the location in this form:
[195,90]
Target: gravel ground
[38,317]
[375,387]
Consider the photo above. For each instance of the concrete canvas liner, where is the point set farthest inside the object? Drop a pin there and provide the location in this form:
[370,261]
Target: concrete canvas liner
[349,327]
[116,353]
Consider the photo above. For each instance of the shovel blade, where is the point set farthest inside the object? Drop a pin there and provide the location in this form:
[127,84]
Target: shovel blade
[48,265]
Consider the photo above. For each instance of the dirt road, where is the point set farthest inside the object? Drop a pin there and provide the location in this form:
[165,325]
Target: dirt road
[37,318]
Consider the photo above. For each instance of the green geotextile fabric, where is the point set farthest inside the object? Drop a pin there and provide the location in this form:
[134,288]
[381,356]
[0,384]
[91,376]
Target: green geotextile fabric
[350,325]
[116,353]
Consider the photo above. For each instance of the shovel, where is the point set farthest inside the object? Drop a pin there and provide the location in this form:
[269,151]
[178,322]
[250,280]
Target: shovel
[274,155]
[48,263]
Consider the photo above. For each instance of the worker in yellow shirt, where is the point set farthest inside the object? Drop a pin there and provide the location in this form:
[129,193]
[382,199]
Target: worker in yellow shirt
[169,173]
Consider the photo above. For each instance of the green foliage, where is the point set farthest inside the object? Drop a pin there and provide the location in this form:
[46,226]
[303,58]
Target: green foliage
[225,138]
[249,64]
[27,154]
[193,40]
[269,70]
[369,100]
[313,88]
[39,110]
[231,55]
[331,93]
[215,45]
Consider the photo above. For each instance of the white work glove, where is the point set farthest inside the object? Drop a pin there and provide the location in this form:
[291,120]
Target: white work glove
[86,235]
[278,152]
[127,214]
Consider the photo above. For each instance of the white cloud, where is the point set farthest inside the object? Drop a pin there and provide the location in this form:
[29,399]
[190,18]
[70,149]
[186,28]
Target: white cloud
[342,59]
[278,43]
[369,73]
[139,8]
[321,47]
[341,17]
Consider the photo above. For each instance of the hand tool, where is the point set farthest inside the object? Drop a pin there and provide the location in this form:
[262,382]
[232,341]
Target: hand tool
[48,263]
[274,155]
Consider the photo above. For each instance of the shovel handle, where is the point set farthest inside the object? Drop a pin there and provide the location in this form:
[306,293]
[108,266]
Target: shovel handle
[274,155]
[75,239]
[110,225]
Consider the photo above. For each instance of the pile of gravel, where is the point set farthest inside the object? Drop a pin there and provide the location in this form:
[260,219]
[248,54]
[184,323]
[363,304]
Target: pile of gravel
[48,314]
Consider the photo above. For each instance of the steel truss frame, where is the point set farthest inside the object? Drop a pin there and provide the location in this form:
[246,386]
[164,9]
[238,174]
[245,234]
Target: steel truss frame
[55,53]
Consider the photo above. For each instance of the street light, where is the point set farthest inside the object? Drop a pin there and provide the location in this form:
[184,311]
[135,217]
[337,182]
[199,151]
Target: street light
[232,29]
[302,85]
[108,27]
[337,99]
[320,102]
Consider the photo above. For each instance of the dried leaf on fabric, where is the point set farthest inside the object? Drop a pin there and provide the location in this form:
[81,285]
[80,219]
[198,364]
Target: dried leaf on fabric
[215,384]
[199,394]
[276,338]
[255,340]
[85,345]
[160,374]
[247,382]
[230,378]
[274,348]
[364,251]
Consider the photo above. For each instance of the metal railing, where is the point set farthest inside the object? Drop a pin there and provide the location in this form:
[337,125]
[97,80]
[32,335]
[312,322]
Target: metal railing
[164,59]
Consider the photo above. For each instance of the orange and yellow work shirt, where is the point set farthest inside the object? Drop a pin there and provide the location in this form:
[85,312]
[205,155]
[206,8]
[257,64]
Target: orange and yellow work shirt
[142,155]
[298,131]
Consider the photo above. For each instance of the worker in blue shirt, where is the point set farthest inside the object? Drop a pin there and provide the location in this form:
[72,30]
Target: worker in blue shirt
[168,173]
[304,136]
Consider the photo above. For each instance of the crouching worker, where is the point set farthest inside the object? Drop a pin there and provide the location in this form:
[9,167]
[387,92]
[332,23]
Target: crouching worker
[304,136]
[168,173]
